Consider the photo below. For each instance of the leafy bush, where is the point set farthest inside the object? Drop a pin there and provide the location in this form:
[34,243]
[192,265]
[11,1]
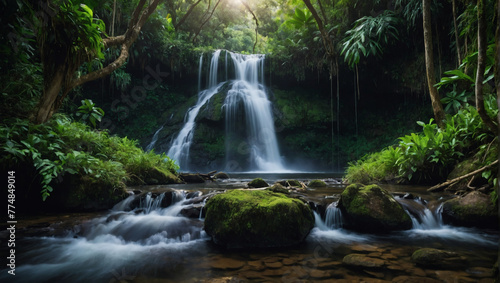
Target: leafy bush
[427,156]
[62,147]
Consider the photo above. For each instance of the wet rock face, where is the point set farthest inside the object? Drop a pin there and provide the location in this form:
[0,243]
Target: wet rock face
[257,218]
[372,209]
[473,210]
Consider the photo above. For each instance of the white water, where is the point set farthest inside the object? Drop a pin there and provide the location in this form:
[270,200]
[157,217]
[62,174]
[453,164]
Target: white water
[154,243]
[427,226]
[102,248]
[333,217]
[179,150]
[151,145]
[248,118]
[248,95]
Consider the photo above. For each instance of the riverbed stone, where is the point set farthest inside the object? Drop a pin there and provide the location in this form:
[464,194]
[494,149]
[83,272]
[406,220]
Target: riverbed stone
[316,184]
[224,263]
[472,210]
[372,209]
[257,218]
[361,260]
[221,175]
[434,258]
[414,279]
[258,183]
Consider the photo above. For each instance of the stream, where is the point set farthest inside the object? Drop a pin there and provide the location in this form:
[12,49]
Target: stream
[144,241]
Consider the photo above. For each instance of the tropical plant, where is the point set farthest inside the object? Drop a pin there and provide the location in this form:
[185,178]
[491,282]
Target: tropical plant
[368,35]
[301,18]
[427,156]
[89,112]
[62,147]
[454,101]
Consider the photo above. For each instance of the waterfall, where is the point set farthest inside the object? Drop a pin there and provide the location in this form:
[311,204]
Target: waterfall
[334,218]
[200,67]
[251,142]
[249,120]
[421,216]
[151,145]
[179,150]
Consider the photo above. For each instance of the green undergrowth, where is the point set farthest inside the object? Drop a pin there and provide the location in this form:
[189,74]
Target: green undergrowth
[62,150]
[429,156]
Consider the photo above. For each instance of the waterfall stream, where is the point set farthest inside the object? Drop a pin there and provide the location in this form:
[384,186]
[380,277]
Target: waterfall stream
[251,143]
[148,238]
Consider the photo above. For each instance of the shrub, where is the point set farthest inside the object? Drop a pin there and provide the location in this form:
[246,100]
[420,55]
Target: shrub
[427,156]
[62,147]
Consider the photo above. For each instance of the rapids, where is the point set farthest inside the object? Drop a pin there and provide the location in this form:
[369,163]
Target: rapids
[146,238]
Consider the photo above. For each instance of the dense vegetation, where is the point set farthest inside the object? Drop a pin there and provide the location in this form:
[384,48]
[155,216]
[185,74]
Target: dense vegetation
[347,78]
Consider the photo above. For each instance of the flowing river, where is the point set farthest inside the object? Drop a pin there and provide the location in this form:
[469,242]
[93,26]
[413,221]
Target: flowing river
[151,239]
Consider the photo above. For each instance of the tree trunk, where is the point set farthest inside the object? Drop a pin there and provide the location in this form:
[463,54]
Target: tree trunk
[497,81]
[437,107]
[481,65]
[50,93]
[457,44]
[329,48]
[181,21]
[51,101]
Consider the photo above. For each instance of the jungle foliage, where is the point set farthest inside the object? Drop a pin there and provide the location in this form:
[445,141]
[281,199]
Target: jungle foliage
[61,147]
[382,40]
[430,155]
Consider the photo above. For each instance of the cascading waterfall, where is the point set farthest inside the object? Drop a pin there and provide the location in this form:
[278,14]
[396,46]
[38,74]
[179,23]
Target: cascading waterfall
[179,150]
[248,97]
[334,218]
[251,143]
[151,145]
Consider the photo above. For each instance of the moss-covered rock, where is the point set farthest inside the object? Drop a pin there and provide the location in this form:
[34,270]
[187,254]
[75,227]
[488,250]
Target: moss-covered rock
[289,183]
[372,209]
[82,193]
[316,184]
[258,183]
[221,175]
[473,210]
[434,258]
[257,218]
[278,188]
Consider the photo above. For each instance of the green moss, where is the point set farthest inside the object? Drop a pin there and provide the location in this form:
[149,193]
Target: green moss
[245,217]
[278,188]
[98,164]
[372,208]
[258,183]
[316,183]
[294,183]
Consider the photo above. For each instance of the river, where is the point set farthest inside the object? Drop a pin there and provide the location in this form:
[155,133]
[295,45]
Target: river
[152,243]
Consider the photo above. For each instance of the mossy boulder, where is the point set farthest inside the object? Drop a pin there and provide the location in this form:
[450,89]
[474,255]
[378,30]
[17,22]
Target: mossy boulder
[289,183]
[278,188]
[83,193]
[258,183]
[472,210]
[316,184]
[372,209]
[257,218]
[438,259]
